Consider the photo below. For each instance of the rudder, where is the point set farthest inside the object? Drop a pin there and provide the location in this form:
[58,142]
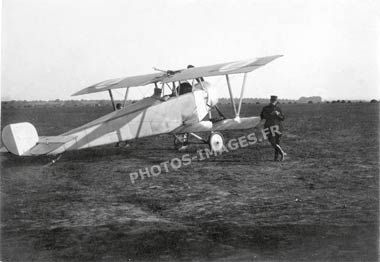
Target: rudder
[19,138]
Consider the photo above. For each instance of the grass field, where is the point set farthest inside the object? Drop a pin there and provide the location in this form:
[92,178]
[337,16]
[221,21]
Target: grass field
[321,204]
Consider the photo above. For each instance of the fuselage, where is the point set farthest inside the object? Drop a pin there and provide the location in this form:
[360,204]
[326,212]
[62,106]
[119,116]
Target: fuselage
[147,117]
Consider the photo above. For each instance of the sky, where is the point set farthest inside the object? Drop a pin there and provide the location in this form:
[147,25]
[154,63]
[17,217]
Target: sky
[53,48]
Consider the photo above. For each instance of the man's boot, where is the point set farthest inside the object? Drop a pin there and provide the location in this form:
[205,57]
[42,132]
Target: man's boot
[275,155]
[281,152]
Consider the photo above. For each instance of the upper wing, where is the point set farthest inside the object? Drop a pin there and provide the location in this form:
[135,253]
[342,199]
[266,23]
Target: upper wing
[244,66]
[140,80]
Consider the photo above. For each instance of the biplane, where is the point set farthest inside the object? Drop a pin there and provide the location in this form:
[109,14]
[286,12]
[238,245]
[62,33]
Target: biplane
[180,106]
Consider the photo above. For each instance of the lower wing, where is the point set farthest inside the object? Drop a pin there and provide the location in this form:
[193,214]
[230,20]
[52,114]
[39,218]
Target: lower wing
[226,124]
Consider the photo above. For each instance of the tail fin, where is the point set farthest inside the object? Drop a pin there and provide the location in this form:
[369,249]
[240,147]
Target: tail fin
[19,138]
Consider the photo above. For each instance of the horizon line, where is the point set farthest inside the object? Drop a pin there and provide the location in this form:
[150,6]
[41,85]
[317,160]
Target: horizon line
[227,98]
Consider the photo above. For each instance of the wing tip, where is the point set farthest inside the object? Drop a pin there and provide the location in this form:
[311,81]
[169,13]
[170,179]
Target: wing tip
[272,57]
[278,56]
[80,92]
[84,91]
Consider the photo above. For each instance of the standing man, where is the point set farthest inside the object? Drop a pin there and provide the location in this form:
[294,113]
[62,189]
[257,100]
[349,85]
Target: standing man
[273,121]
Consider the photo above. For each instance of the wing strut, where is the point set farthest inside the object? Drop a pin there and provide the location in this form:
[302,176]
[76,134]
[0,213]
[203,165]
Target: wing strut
[126,96]
[220,112]
[113,102]
[231,96]
[242,93]
[174,90]
[236,109]
[163,88]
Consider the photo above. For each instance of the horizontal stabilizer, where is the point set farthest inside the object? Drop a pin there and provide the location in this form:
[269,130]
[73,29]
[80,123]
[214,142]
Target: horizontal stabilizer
[48,144]
[54,139]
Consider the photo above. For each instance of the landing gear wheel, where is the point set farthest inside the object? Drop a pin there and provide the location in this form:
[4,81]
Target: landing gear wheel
[216,142]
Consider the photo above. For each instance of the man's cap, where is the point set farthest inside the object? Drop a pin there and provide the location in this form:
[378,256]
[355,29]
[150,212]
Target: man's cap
[190,66]
[273,98]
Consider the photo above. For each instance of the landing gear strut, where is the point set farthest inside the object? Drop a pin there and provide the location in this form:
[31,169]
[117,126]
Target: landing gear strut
[181,142]
[215,141]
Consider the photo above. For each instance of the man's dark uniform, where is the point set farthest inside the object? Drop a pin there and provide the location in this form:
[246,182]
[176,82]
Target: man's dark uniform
[273,117]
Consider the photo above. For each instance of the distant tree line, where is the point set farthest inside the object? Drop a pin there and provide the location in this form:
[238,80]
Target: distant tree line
[96,103]
[349,101]
[301,100]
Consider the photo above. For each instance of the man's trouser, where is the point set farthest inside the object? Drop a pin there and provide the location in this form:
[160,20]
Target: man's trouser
[275,142]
